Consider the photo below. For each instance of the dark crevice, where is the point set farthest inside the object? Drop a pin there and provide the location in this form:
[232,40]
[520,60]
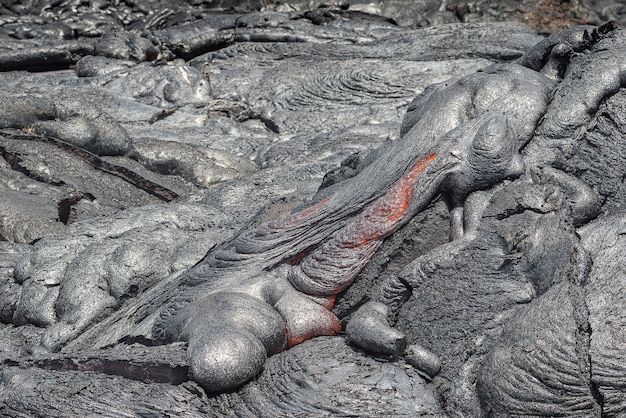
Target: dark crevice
[147,372]
[130,293]
[405,282]
[138,339]
[580,269]
[269,124]
[190,52]
[518,210]
[162,114]
[125,174]
[241,113]
[96,162]
[15,162]
[595,389]
[345,315]
[206,255]
[67,212]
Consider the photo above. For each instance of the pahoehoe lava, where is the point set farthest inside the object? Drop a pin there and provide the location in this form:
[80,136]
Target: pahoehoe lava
[164,236]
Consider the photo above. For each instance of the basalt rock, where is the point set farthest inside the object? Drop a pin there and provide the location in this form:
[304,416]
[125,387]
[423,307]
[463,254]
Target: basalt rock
[196,205]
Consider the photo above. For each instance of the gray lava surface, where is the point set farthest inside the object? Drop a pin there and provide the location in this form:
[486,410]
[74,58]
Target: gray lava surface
[136,138]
